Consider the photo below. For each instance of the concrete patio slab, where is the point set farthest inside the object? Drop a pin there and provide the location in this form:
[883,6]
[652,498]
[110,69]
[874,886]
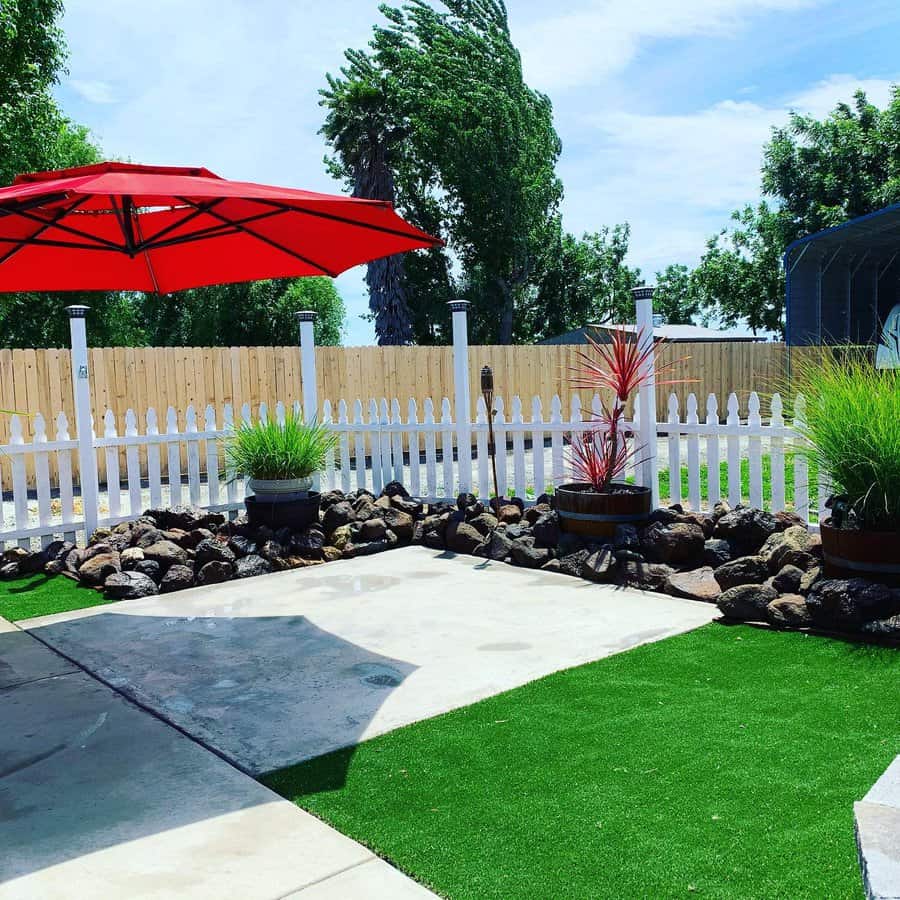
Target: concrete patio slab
[100,799]
[877,818]
[274,670]
[22,659]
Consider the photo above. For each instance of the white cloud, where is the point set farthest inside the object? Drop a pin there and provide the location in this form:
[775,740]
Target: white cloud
[603,36]
[94,91]
[677,177]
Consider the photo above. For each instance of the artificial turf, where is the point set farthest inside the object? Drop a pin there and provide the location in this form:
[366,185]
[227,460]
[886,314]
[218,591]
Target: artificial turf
[720,763]
[43,595]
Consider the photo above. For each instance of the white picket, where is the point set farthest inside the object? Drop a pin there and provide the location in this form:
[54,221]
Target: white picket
[674,451]
[359,445]
[231,486]
[344,446]
[329,455]
[500,441]
[212,457]
[375,446]
[754,450]
[193,455]
[415,474]
[693,452]
[430,450]
[42,477]
[113,479]
[713,461]
[397,440]
[64,469]
[556,442]
[386,455]
[733,441]
[537,447]
[19,480]
[776,453]
[518,440]
[173,451]
[447,446]
[576,424]
[153,460]
[481,439]
[132,464]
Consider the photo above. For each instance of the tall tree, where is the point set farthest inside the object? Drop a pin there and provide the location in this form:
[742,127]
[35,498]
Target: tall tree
[475,150]
[364,130]
[676,298]
[817,174]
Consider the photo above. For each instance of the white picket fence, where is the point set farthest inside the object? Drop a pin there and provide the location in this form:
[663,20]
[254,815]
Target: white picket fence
[376,444]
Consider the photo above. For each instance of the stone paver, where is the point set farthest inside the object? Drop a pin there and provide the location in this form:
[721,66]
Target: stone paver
[878,836]
[273,670]
[100,799]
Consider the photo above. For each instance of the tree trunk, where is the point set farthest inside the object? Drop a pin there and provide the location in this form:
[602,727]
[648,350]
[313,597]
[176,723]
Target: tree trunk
[506,313]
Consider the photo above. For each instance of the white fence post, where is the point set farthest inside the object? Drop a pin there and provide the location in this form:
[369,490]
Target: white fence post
[461,387]
[643,302]
[306,319]
[81,387]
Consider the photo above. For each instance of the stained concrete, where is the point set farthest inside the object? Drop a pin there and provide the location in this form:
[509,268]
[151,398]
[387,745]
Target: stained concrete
[877,818]
[100,799]
[274,670]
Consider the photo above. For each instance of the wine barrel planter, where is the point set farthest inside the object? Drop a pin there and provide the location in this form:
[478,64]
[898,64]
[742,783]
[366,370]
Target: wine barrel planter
[292,510]
[856,553]
[583,511]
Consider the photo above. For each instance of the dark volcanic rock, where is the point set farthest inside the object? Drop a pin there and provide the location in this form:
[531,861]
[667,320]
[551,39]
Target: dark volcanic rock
[394,489]
[461,537]
[546,529]
[215,572]
[743,570]
[783,547]
[851,601]
[176,578]
[697,584]
[747,602]
[166,553]
[746,529]
[241,545]
[251,565]
[716,552]
[484,523]
[497,546]
[678,542]
[649,576]
[789,611]
[883,628]
[99,567]
[572,563]
[465,500]
[309,542]
[626,537]
[129,585]
[341,513]
[600,566]
[372,530]
[184,517]
[510,513]
[401,523]
[149,567]
[525,554]
[787,580]
[210,550]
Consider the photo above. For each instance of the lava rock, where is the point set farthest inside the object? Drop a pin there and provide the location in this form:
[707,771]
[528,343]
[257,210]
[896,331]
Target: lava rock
[600,566]
[130,557]
[697,584]
[787,580]
[367,548]
[572,563]
[401,523]
[533,513]
[517,530]
[338,514]
[649,576]
[329,498]
[485,523]
[461,537]
[746,529]
[215,572]
[883,628]
[716,552]
[546,529]
[177,578]
[626,537]
[787,520]
[497,546]
[465,500]
[524,553]
[145,536]
[340,537]
[743,570]
[372,530]
[510,513]
[789,611]
[309,542]
[241,545]
[851,601]
[409,505]
[678,542]
[129,586]
[552,565]
[151,568]
[394,489]
[251,565]
[98,568]
[748,602]
[793,540]
[166,553]
[184,517]
[212,550]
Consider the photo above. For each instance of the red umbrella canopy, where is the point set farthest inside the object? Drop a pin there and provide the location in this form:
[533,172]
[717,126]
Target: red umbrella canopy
[118,226]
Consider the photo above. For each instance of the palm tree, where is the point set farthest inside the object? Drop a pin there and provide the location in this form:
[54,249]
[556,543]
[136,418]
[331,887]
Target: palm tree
[364,133]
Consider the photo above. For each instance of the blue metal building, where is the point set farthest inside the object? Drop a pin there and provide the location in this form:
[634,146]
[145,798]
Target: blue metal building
[843,283]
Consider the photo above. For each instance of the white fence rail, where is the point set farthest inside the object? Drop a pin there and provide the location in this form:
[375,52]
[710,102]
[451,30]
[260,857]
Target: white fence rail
[177,458]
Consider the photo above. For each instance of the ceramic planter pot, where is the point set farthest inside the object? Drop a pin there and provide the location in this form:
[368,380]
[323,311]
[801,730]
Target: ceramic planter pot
[856,553]
[270,489]
[585,512]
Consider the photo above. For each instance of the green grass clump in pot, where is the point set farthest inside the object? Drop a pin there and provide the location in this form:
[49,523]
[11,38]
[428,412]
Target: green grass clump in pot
[273,451]
[853,429]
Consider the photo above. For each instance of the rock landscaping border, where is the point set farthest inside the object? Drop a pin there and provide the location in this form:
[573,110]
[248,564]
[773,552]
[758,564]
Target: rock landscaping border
[756,566]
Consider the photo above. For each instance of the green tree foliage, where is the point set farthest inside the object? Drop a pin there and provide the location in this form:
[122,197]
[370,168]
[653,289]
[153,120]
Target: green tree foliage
[817,174]
[257,313]
[676,297]
[439,99]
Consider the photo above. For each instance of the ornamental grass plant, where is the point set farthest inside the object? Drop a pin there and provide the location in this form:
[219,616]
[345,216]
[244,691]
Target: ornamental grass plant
[275,451]
[852,430]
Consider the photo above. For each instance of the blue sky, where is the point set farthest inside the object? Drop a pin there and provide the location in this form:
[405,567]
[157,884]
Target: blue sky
[662,105]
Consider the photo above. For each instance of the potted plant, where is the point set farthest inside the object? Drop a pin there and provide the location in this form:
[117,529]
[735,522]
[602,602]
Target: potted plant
[851,429]
[279,460]
[599,500]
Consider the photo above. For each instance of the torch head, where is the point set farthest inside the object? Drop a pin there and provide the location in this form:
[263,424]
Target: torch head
[487,380]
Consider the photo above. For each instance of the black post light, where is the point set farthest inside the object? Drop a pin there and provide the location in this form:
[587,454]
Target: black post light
[487,391]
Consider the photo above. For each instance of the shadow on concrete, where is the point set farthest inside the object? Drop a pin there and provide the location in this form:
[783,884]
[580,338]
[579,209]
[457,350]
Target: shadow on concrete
[263,692]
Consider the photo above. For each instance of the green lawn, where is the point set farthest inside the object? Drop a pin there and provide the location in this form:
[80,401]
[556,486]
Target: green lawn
[40,595]
[720,763]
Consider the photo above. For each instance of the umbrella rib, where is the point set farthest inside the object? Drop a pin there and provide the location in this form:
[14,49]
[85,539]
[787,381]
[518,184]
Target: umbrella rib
[60,213]
[264,239]
[102,243]
[211,231]
[151,242]
[343,219]
[65,245]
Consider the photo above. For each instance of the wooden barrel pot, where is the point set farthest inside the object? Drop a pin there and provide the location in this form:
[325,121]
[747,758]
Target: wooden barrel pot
[584,512]
[854,553]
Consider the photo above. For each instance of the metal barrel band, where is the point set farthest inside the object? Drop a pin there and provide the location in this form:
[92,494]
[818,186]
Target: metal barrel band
[600,517]
[856,566]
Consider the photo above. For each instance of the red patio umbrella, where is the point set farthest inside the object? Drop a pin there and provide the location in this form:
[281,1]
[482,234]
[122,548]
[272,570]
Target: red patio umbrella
[118,226]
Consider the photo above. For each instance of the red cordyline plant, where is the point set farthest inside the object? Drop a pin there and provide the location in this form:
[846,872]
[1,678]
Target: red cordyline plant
[620,366]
